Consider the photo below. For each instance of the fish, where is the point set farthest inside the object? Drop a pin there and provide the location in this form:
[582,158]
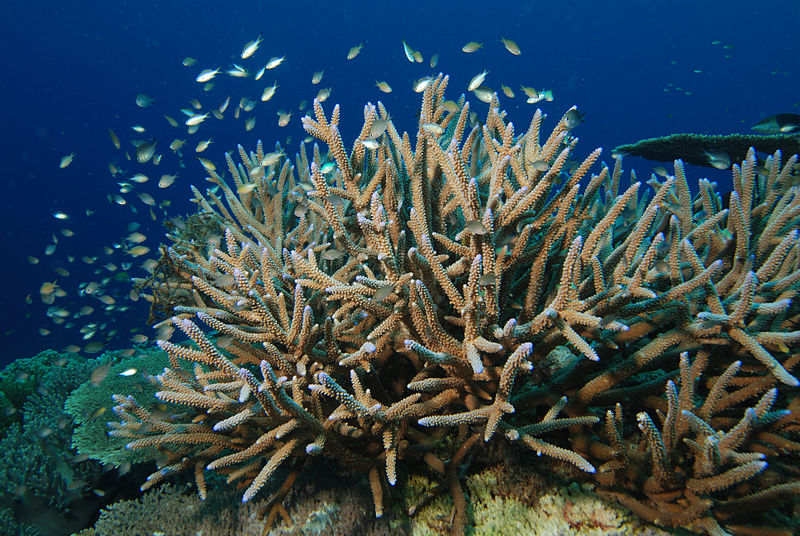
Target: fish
[408,51]
[138,251]
[433,128]
[177,144]
[384,86]
[207,74]
[477,80]
[421,84]
[99,374]
[271,158]
[171,121]
[477,228]
[778,124]
[237,71]
[224,105]
[470,47]
[269,92]
[354,51]
[138,128]
[378,127]
[250,124]
[274,62]
[66,160]
[188,62]
[250,48]
[434,60]
[202,146]
[283,118]
[484,94]
[260,73]
[60,215]
[511,46]
[141,178]
[531,93]
[114,138]
[718,159]
[323,94]
[316,78]
[418,56]
[208,164]
[573,118]
[370,143]
[145,151]
[196,119]
[508,91]
[143,101]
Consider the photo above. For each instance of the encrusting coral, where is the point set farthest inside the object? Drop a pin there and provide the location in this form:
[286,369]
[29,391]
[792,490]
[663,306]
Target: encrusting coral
[411,300]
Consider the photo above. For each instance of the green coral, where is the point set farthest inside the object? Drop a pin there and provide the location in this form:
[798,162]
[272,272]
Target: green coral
[42,483]
[90,406]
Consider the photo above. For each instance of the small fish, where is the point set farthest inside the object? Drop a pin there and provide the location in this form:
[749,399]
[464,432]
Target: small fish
[718,159]
[421,84]
[271,158]
[274,62]
[224,105]
[202,146]
[138,251]
[269,92]
[661,171]
[477,80]
[333,254]
[131,371]
[477,228]
[384,86]
[487,280]
[540,165]
[250,48]
[177,144]
[136,237]
[143,101]
[138,128]
[141,178]
[283,118]
[260,73]
[207,74]
[99,374]
[378,127]
[370,144]
[484,94]
[323,94]
[434,60]
[66,160]
[188,62]
[237,71]
[507,91]
[171,121]
[246,187]
[196,119]
[511,46]
[60,215]
[316,78]
[145,151]
[573,118]
[470,47]
[114,138]
[778,124]
[354,51]
[146,198]
[250,124]
[433,128]
[408,51]
[418,56]
[383,293]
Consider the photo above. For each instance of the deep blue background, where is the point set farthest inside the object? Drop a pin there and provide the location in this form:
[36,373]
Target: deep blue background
[72,70]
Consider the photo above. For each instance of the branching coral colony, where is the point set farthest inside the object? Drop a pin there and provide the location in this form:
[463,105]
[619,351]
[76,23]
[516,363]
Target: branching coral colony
[463,293]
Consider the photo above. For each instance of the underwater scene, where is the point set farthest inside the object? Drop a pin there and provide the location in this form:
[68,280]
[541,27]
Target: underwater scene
[400,268]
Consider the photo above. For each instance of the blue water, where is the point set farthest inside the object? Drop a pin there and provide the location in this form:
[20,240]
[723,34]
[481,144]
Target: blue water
[70,71]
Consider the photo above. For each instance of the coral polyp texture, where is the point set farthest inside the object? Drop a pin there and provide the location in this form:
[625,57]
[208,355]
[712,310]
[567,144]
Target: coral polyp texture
[412,304]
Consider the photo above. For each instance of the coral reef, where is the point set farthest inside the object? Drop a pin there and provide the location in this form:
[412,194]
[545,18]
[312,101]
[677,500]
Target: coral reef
[46,488]
[699,149]
[475,293]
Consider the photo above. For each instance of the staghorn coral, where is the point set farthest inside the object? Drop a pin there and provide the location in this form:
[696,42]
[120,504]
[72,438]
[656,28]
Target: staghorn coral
[411,302]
